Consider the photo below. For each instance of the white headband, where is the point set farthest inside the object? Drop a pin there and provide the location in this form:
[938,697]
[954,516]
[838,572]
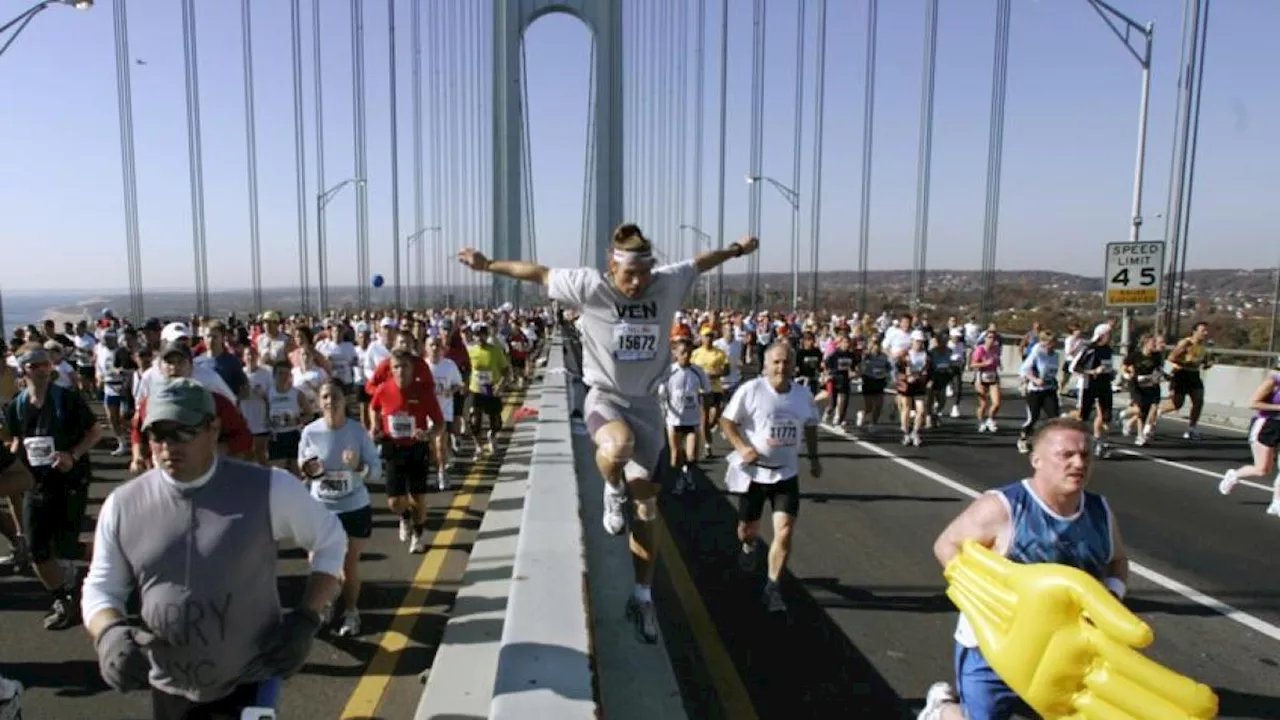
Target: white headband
[630,257]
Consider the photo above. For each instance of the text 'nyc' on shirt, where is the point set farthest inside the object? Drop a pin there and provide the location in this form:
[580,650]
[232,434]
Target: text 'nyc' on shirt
[625,341]
[773,423]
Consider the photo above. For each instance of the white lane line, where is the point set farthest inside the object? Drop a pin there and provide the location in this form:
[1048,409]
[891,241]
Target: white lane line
[1189,468]
[1250,621]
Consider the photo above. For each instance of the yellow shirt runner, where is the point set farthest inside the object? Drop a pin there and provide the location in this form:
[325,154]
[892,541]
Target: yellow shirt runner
[488,366]
[713,360]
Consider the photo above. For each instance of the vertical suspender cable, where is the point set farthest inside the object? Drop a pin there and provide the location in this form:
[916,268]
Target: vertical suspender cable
[124,100]
[589,155]
[820,96]
[924,162]
[415,34]
[1177,160]
[757,90]
[1183,243]
[251,153]
[724,115]
[682,127]
[322,241]
[666,22]
[628,107]
[483,289]
[868,152]
[439,262]
[795,159]
[395,157]
[699,111]
[465,123]
[451,137]
[651,118]
[473,148]
[362,159]
[300,155]
[996,152]
[195,157]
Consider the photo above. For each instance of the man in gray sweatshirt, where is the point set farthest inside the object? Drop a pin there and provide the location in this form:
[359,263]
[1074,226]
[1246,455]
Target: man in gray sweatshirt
[197,536]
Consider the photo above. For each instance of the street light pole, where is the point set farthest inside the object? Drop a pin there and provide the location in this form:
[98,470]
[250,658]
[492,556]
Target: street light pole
[19,23]
[322,199]
[793,198]
[1125,26]
[705,237]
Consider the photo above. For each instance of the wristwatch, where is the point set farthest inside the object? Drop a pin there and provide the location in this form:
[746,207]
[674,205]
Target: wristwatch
[737,249]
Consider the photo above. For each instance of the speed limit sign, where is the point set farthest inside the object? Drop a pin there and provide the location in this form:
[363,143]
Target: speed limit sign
[1134,274]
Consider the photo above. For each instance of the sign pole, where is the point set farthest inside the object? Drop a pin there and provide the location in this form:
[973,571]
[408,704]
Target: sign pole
[1139,168]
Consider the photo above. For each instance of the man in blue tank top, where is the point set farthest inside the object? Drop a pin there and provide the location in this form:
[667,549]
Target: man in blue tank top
[1047,518]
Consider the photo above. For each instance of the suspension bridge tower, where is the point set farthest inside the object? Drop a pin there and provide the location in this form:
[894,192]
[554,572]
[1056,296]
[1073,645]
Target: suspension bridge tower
[511,18]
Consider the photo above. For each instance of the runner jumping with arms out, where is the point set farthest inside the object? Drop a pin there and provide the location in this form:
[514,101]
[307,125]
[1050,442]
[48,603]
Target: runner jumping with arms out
[626,311]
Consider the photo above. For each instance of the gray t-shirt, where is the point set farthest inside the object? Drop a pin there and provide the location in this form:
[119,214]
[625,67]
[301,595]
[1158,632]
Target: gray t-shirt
[626,343]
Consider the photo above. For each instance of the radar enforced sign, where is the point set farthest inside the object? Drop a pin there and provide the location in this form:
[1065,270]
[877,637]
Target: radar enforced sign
[1135,273]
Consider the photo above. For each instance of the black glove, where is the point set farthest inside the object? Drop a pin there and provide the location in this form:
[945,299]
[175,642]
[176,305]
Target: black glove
[288,653]
[122,656]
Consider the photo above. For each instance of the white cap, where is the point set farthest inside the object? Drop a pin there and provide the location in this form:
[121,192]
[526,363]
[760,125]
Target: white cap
[1100,330]
[174,331]
[362,327]
[387,323]
[918,335]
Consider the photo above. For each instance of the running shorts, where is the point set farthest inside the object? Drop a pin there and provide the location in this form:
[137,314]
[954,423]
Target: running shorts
[642,414]
[783,496]
[1185,382]
[1265,431]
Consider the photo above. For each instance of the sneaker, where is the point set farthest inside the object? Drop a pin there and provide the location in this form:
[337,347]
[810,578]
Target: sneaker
[906,439]
[991,426]
[645,617]
[955,411]
[940,694]
[405,530]
[1229,480]
[1274,508]
[63,614]
[350,624]
[10,699]
[915,439]
[615,521]
[772,598]
[1024,447]
[416,544]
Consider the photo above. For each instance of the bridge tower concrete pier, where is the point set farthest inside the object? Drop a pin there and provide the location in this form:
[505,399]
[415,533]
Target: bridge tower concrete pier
[511,19]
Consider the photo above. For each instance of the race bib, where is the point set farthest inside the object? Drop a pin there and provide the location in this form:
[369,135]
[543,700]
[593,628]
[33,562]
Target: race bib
[988,377]
[40,451]
[635,342]
[335,484]
[484,377]
[283,421]
[442,388]
[401,426]
[844,364]
[684,401]
[783,432]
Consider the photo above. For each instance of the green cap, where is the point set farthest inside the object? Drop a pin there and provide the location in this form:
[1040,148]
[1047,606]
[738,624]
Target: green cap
[180,400]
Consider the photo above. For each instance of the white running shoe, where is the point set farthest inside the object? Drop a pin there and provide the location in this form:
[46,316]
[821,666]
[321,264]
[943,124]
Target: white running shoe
[1229,481]
[405,530]
[416,544]
[939,695]
[350,624]
[615,521]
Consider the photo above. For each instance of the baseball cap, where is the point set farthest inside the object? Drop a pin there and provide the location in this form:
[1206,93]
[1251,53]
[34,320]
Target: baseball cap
[180,400]
[173,331]
[387,322]
[1100,330]
[172,347]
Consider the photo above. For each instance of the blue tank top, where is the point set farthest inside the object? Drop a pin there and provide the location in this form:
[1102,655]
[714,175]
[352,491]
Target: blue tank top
[1039,536]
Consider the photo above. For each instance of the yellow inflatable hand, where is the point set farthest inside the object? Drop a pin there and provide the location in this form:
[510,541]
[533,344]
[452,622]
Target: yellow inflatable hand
[1066,645]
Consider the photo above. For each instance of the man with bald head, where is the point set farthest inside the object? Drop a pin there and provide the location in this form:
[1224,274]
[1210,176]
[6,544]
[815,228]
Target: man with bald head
[765,421]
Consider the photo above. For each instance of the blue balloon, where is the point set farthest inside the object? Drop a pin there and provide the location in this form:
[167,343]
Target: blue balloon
[378,281]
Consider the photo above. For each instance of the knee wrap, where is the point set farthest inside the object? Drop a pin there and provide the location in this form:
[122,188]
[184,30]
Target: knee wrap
[647,509]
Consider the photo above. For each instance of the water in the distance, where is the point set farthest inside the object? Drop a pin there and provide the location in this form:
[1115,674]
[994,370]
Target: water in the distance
[31,308]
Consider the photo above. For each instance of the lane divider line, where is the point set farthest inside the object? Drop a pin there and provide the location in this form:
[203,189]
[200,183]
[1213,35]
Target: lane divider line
[1250,621]
[373,682]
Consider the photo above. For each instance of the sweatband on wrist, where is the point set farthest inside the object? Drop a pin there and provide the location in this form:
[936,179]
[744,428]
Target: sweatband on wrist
[1116,586]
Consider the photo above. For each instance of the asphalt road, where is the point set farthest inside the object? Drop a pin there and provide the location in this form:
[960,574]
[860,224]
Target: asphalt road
[869,627]
[374,675]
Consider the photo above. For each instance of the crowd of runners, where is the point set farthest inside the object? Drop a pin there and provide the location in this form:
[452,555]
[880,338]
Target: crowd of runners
[280,423]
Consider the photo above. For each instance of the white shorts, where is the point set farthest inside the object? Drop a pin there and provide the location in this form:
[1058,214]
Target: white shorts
[642,414]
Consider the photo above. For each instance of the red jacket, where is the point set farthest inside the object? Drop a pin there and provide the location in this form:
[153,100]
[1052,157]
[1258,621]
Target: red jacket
[235,431]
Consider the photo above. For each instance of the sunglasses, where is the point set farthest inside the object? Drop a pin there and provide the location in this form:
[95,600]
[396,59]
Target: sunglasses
[175,434]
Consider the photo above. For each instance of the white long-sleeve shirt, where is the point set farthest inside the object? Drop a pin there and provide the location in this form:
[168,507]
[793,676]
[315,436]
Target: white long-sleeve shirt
[295,515]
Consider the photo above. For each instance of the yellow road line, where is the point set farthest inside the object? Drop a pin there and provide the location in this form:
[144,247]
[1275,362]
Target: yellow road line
[368,692]
[735,701]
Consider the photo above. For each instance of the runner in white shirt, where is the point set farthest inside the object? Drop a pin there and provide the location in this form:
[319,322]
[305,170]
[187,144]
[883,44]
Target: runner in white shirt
[764,421]
[202,373]
[626,316]
[682,394]
[449,383]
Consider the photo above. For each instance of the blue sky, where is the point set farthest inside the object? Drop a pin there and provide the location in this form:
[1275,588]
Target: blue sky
[1068,160]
